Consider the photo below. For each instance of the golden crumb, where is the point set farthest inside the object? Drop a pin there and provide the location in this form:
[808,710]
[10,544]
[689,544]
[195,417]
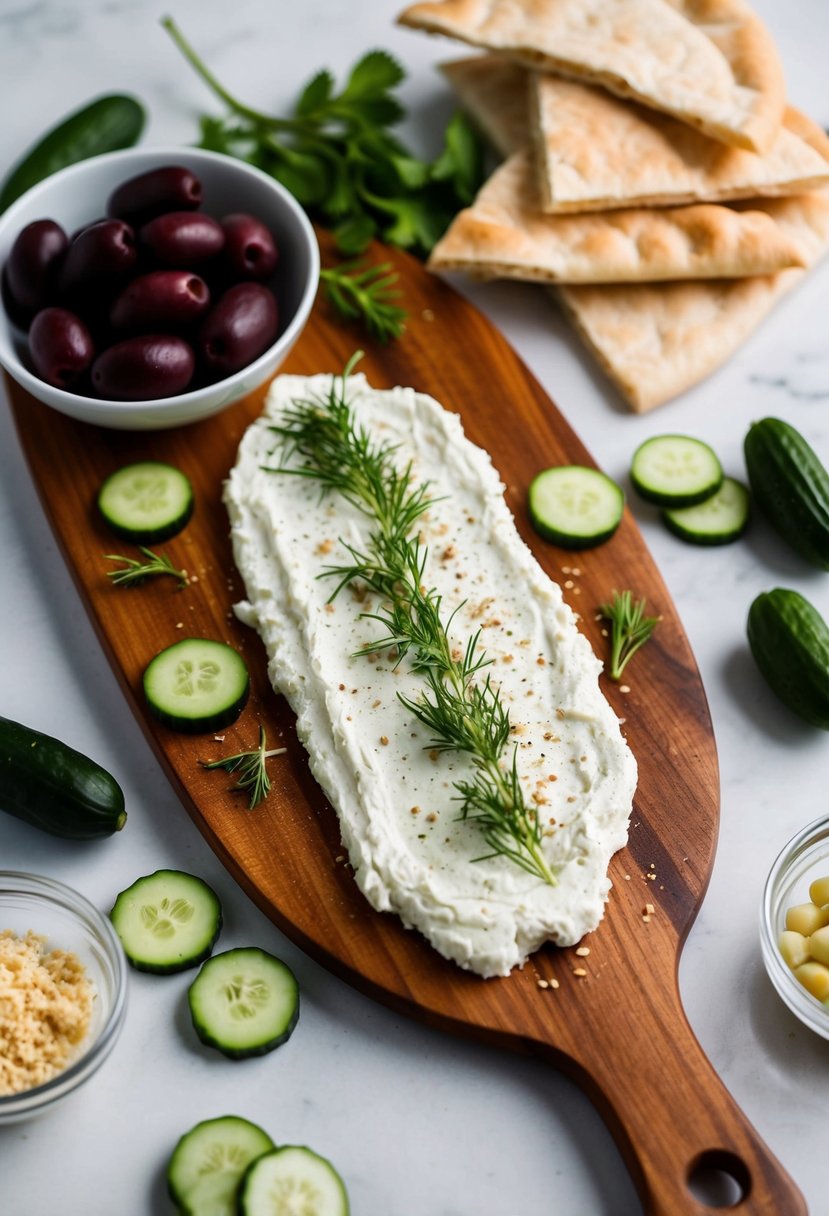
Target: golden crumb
[580,972]
[384,739]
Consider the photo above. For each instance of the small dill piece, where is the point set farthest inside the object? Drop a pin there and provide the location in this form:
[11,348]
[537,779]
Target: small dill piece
[629,629]
[251,767]
[361,292]
[460,705]
[134,571]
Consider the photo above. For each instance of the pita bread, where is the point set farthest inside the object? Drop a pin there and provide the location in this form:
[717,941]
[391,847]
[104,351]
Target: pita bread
[656,341]
[495,93]
[596,152]
[504,235]
[711,63]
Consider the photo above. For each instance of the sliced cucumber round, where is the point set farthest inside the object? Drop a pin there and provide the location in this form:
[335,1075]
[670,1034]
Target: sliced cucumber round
[208,1162]
[719,520]
[146,502]
[292,1179]
[574,506]
[244,1002]
[167,921]
[675,471]
[197,685]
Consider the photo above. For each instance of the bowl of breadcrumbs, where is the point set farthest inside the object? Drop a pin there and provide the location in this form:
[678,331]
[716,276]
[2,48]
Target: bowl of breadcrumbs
[62,993]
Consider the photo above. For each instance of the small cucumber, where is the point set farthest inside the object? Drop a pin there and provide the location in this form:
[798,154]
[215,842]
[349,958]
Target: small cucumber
[51,786]
[574,506]
[244,1002]
[675,471]
[208,1162]
[789,640]
[197,685]
[791,487]
[291,1179]
[146,502]
[167,921]
[722,518]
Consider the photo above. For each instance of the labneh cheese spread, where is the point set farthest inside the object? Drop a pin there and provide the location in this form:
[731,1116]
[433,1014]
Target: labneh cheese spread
[393,793]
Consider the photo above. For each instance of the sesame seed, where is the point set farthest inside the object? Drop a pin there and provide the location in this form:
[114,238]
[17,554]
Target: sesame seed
[624,688]
[648,910]
[583,951]
[580,972]
[554,983]
[543,984]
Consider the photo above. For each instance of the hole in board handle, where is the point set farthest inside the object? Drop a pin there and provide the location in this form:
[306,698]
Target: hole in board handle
[718,1179]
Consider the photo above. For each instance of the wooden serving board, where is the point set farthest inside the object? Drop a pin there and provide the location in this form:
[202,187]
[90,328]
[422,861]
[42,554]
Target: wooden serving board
[619,1029]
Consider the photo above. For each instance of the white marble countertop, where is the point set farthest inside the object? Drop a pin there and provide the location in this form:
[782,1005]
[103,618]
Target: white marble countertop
[419,1124]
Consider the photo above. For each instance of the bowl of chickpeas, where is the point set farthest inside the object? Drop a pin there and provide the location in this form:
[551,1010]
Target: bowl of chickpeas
[152,287]
[794,926]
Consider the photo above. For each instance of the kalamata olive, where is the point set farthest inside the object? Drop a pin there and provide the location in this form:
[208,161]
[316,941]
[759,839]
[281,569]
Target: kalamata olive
[170,188]
[143,368]
[239,327]
[99,257]
[61,346]
[183,239]
[161,300]
[34,260]
[250,250]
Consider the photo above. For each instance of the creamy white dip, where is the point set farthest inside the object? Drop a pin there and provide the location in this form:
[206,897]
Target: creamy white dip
[393,795]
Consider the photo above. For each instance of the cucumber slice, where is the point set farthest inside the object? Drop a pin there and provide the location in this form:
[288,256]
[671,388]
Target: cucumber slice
[244,1002]
[675,471]
[575,507]
[717,521]
[208,1162]
[197,685]
[167,921]
[146,502]
[289,1180]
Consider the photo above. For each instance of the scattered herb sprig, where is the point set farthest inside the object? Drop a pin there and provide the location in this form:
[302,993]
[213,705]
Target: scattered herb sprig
[251,767]
[135,571]
[337,155]
[460,706]
[360,291]
[630,629]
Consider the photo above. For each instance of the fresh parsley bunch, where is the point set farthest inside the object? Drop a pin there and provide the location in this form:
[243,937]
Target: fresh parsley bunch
[337,155]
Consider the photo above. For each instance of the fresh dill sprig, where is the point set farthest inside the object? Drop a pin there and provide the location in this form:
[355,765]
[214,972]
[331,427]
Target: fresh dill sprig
[134,571]
[359,291]
[460,706]
[630,629]
[251,767]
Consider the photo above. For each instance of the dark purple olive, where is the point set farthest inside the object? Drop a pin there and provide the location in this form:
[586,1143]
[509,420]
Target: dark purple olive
[144,368]
[98,258]
[34,260]
[61,346]
[171,188]
[183,239]
[250,250]
[238,329]
[161,300]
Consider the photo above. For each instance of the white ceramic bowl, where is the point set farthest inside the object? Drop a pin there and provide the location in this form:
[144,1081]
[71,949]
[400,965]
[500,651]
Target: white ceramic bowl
[68,921]
[78,195]
[802,860]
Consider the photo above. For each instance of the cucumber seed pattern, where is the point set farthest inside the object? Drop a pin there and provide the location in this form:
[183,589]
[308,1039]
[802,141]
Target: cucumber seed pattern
[246,998]
[221,1158]
[162,920]
[294,1197]
[192,678]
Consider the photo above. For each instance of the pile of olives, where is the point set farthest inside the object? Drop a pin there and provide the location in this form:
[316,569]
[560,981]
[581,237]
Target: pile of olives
[155,299]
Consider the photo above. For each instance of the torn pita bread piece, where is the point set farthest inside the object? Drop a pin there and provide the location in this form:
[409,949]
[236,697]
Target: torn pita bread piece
[495,93]
[655,341]
[504,235]
[595,152]
[710,63]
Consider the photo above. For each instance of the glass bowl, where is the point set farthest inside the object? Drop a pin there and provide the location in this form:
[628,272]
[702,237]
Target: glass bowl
[76,195]
[802,860]
[68,921]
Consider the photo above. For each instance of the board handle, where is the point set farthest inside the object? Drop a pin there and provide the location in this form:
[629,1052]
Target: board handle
[669,1112]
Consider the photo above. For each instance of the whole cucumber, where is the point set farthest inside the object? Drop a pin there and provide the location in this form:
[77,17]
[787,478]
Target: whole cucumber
[791,486]
[789,640]
[53,787]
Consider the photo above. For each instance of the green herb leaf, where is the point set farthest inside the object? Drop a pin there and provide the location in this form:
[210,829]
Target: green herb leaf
[360,291]
[252,769]
[373,75]
[462,161]
[134,571]
[105,125]
[316,94]
[630,629]
[460,705]
[355,234]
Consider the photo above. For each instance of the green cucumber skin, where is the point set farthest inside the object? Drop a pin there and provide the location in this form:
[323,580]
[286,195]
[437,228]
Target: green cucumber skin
[789,640]
[791,487]
[51,786]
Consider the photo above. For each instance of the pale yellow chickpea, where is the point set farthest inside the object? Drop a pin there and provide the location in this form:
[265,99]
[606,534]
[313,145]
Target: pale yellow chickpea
[819,945]
[795,947]
[819,892]
[815,979]
[806,918]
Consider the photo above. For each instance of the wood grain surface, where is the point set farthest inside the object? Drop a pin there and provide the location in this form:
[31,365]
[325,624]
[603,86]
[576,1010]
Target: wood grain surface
[619,1030]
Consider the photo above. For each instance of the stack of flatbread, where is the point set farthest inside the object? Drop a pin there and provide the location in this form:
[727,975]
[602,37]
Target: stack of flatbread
[653,172]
